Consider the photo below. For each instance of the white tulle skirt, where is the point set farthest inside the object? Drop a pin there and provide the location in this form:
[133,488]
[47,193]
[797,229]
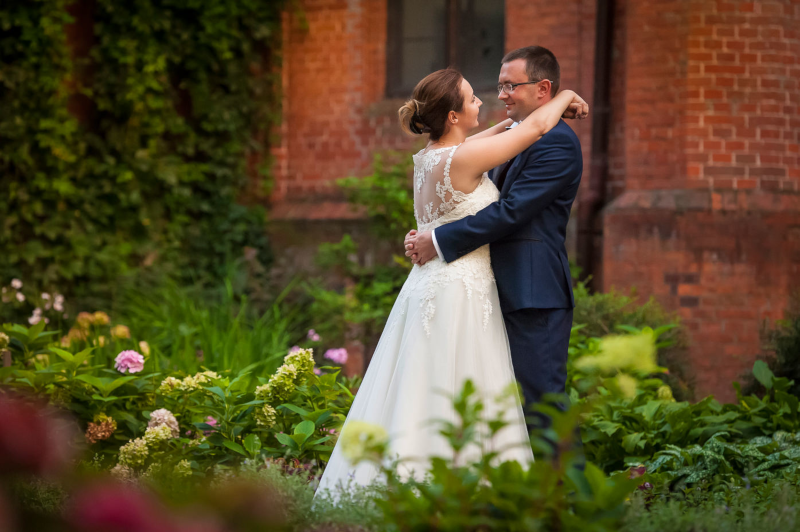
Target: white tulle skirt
[445,327]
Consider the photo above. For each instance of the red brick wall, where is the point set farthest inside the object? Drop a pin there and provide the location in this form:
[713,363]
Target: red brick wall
[335,113]
[709,221]
[567,29]
[703,155]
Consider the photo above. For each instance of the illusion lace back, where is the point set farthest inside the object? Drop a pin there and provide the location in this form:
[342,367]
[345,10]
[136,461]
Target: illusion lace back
[444,328]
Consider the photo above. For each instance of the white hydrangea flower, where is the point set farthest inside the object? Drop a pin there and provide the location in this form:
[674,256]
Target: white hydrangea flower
[162,416]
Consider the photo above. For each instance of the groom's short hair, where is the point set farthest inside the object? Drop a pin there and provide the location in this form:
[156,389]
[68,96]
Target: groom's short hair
[540,62]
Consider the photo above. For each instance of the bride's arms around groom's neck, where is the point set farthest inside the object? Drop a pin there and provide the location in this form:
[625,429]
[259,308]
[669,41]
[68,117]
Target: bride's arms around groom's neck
[491,131]
[483,154]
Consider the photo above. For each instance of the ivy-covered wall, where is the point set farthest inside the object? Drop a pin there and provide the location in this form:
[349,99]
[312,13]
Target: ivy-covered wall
[126,127]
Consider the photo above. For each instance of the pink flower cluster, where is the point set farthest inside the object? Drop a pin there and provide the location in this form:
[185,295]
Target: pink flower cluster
[337,355]
[129,361]
[313,336]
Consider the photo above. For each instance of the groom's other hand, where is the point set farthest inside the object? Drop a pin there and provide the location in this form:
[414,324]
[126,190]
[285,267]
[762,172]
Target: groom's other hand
[419,246]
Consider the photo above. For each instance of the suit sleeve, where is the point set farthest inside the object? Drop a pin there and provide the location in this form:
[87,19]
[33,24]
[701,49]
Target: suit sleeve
[544,175]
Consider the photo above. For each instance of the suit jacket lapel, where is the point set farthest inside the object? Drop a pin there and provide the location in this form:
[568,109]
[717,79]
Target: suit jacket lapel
[513,170]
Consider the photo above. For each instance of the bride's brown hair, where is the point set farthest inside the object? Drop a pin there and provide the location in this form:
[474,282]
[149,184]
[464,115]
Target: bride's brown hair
[433,98]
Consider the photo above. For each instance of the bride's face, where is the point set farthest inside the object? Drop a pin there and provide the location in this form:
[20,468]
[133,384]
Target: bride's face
[468,117]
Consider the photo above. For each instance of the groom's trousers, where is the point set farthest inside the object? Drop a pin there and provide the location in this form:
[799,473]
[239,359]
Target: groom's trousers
[539,341]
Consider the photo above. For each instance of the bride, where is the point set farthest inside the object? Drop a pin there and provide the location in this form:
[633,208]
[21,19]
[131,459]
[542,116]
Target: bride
[446,325]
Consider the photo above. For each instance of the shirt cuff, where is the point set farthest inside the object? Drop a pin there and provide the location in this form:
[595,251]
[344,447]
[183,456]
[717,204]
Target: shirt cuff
[436,245]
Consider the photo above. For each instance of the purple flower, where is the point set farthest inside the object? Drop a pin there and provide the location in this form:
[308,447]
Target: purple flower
[294,349]
[129,361]
[317,371]
[313,336]
[337,355]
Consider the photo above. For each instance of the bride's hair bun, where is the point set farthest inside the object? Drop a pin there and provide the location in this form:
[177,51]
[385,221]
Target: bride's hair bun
[433,98]
[411,120]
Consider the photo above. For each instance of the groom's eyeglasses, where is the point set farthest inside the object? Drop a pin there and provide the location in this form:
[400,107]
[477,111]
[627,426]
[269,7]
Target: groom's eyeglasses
[508,88]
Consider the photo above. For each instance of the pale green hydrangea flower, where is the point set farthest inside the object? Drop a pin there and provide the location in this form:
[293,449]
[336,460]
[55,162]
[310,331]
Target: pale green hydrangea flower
[280,386]
[664,393]
[133,453]
[158,434]
[635,352]
[168,385]
[183,469]
[361,440]
[4,341]
[302,359]
[266,416]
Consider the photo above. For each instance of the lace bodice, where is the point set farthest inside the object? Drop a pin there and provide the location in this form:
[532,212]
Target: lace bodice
[436,203]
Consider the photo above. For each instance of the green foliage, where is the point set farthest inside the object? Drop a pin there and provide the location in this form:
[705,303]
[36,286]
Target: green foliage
[485,495]
[599,314]
[173,95]
[721,465]
[225,406]
[363,294]
[216,327]
[625,432]
[783,341]
[771,507]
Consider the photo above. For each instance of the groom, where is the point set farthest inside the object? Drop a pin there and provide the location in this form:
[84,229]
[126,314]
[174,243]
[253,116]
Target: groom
[526,230]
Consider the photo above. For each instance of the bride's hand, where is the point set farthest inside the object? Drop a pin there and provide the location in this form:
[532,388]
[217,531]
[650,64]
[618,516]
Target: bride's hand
[577,109]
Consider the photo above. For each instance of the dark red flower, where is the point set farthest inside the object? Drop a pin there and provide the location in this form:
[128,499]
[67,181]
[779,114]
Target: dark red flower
[34,439]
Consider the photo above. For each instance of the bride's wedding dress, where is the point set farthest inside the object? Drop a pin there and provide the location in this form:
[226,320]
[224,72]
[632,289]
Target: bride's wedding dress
[445,327]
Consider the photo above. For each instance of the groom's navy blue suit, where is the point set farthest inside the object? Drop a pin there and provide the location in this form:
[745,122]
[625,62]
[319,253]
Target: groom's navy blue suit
[527,229]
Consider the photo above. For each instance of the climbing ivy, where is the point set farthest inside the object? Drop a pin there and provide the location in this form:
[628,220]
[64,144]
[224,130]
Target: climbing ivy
[177,96]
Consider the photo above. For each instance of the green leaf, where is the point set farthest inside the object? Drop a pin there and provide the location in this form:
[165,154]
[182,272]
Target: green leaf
[294,408]
[252,443]
[763,374]
[218,391]
[233,446]
[305,427]
[66,355]
[632,441]
[287,440]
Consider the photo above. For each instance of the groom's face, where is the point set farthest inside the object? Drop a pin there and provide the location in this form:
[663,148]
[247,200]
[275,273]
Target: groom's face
[524,99]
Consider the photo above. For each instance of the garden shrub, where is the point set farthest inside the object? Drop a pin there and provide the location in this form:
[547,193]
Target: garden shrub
[176,97]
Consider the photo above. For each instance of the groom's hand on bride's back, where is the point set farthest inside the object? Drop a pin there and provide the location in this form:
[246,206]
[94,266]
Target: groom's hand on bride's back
[419,247]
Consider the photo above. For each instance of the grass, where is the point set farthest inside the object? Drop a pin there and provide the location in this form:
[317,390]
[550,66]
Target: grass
[191,328]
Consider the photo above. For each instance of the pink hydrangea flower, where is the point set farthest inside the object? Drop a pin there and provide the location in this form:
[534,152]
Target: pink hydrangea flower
[317,371]
[212,422]
[294,349]
[129,361]
[337,355]
[313,336]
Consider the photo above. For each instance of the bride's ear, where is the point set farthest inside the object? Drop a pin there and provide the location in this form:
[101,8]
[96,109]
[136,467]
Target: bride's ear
[452,117]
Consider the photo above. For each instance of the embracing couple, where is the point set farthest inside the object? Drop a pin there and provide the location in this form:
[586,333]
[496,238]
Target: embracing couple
[489,297]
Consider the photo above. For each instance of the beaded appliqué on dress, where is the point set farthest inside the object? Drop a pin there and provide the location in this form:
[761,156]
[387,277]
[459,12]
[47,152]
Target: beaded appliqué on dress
[473,270]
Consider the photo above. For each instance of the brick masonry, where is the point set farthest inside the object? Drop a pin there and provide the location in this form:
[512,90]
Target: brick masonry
[703,155]
[705,171]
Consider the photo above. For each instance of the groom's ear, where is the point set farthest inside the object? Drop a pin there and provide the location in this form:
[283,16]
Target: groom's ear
[545,88]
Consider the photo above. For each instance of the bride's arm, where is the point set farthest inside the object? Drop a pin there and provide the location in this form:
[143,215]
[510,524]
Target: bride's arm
[481,155]
[489,132]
